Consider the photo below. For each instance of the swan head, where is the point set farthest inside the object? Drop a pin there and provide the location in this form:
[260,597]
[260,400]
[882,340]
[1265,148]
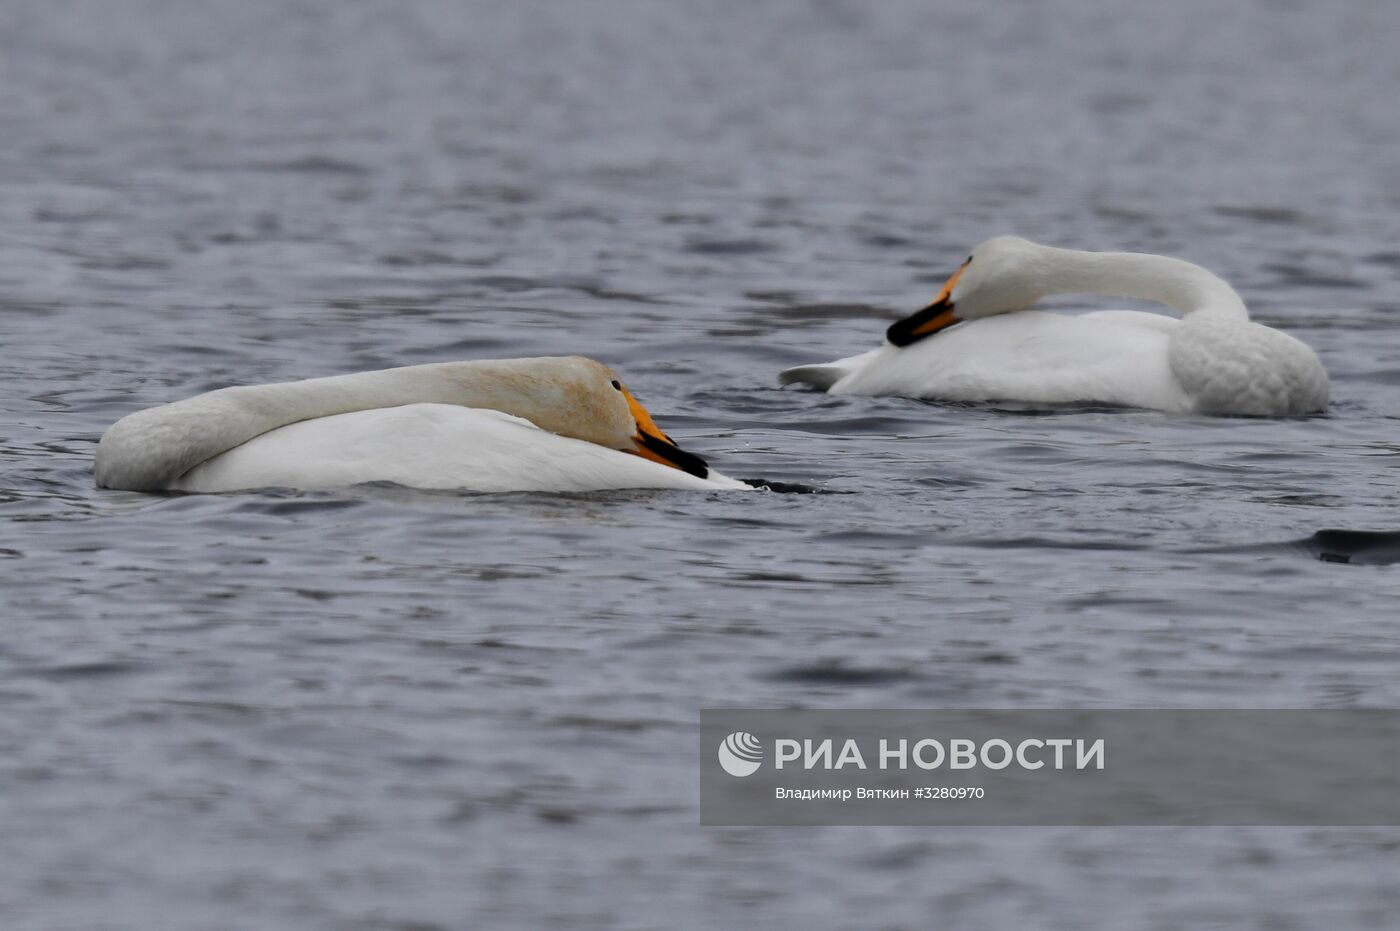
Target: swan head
[1002,275]
[580,398]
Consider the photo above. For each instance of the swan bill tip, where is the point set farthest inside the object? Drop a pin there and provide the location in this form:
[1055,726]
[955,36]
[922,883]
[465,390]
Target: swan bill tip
[657,449]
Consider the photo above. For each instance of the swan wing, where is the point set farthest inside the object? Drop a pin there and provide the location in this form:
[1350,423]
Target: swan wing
[427,445]
[1105,357]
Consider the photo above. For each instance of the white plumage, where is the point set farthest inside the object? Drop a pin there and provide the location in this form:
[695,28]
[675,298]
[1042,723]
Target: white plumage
[1212,360]
[553,424]
[432,446]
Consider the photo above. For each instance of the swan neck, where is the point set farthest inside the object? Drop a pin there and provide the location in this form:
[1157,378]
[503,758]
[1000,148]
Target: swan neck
[496,385]
[149,449]
[1176,283]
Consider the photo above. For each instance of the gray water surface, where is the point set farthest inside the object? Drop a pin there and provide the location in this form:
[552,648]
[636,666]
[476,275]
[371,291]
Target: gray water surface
[382,708]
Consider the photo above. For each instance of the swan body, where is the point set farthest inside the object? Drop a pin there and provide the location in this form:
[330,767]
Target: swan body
[1211,360]
[552,424]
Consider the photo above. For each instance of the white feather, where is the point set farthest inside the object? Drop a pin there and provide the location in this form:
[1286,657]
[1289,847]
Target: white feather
[551,424]
[432,446]
[1211,360]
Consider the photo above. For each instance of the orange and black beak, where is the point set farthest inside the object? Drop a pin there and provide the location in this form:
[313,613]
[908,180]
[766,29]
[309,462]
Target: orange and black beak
[651,443]
[936,316]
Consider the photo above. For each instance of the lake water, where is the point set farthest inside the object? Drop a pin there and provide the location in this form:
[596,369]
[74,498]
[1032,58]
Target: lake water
[381,708]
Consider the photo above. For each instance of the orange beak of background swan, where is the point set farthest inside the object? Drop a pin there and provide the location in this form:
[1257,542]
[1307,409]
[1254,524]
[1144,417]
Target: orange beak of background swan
[650,443]
[931,319]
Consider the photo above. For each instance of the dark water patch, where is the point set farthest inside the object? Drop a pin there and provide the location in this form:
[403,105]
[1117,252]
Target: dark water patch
[125,263]
[52,215]
[1267,456]
[772,297]
[1008,543]
[1355,547]
[324,503]
[1370,653]
[1034,452]
[796,312]
[33,308]
[311,164]
[759,576]
[508,283]
[496,193]
[786,488]
[478,347]
[1104,600]
[590,723]
[1296,277]
[1284,216]
[838,673]
[1027,409]
[902,856]
[740,523]
[398,305]
[872,539]
[419,259]
[504,573]
[872,425]
[585,215]
[1303,500]
[316,594]
[200,349]
[949,482]
[560,816]
[80,671]
[729,247]
[612,294]
[678,218]
[736,332]
[212,710]
[887,241]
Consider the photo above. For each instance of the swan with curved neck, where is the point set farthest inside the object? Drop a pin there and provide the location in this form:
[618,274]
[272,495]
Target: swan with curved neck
[978,341]
[546,424]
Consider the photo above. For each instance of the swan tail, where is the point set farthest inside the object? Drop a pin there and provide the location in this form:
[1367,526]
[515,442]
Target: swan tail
[821,376]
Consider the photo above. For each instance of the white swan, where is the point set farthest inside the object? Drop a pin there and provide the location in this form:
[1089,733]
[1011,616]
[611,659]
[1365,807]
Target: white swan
[548,424]
[1213,360]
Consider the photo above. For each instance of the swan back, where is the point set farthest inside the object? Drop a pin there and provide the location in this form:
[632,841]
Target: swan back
[571,396]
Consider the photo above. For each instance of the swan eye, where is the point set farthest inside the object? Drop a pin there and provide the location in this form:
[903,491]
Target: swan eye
[969,260]
[617,384]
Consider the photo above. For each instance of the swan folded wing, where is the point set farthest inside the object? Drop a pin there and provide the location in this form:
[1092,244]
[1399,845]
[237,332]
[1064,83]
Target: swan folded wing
[433,446]
[1106,357]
